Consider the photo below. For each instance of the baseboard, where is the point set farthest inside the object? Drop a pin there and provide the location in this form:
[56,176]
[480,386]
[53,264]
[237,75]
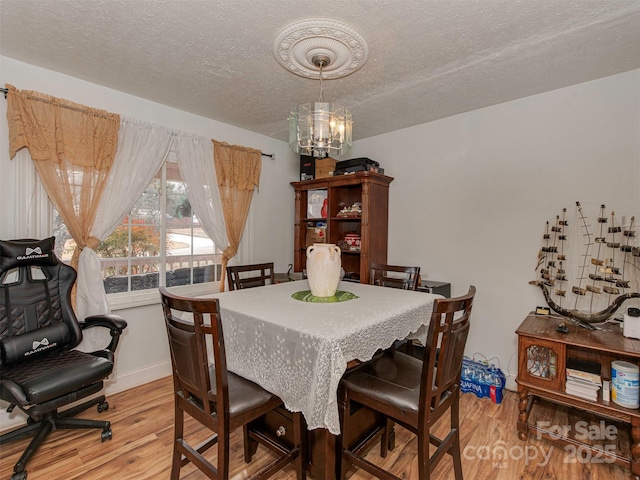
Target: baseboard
[112,385]
[510,384]
[134,379]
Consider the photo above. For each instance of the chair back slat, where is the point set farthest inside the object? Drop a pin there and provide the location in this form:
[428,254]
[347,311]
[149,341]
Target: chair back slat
[394,276]
[446,341]
[249,276]
[190,324]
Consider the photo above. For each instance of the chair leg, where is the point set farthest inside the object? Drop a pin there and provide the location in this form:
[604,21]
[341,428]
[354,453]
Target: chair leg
[49,422]
[456,456]
[20,433]
[250,445]
[387,441]
[178,423]
[424,465]
[345,410]
[455,447]
[299,436]
[223,453]
[99,401]
[45,428]
[79,423]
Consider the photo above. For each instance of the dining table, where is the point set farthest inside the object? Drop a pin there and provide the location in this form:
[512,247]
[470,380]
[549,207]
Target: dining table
[298,346]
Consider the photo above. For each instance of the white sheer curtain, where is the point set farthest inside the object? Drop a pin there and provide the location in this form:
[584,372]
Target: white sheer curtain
[32,217]
[195,158]
[142,148]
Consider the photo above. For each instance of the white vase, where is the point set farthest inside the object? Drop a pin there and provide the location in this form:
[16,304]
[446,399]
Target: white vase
[323,269]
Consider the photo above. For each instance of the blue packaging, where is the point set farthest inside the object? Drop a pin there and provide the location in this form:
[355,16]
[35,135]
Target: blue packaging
[483,379]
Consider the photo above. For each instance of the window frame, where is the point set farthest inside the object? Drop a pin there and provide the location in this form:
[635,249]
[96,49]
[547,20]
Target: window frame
[150,296]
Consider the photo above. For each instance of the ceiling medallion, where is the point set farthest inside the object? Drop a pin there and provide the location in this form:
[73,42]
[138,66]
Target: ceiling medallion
[299,43]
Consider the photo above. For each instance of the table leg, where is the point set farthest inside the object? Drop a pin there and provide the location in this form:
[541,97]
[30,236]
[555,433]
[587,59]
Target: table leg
[323,455]
[326,449]
[635,446]
[524,408]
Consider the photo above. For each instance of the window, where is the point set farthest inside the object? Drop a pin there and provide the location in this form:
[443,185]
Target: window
[160,242]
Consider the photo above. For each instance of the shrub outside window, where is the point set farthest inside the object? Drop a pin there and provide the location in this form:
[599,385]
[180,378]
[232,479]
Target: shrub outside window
[159,243]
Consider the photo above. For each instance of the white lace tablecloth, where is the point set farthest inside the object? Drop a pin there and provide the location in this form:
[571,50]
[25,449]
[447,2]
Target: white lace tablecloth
[299,350]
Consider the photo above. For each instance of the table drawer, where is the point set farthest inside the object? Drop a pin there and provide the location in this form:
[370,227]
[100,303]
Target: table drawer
[278,424]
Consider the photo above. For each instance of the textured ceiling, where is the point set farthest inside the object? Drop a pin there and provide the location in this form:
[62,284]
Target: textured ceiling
[428,59]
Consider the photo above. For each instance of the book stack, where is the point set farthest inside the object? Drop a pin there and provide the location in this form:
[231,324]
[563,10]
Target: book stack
[583,384]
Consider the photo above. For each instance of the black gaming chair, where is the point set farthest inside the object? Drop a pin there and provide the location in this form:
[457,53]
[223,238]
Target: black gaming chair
[39,370]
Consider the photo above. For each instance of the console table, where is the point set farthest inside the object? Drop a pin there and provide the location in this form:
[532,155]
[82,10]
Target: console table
[542,360]
[440,288]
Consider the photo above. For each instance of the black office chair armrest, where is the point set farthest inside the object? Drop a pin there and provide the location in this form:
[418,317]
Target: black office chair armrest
[107,320]
[115,323]
[13,394]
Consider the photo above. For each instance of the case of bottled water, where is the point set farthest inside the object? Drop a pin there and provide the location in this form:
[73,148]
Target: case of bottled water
[484,379]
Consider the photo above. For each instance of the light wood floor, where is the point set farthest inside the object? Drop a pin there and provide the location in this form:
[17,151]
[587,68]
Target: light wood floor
[142,423]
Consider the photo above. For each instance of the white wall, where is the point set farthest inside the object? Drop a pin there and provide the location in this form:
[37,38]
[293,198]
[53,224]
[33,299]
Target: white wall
[143,352]
[472,192]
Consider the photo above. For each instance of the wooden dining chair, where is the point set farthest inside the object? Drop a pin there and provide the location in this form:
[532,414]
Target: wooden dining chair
[248,276]
[217,398]
[395,276]
[412,393]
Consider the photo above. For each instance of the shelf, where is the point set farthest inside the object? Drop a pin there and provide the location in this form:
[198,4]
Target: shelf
[611,410]
[371,191]
[337,219]
[342,180]
[344,252]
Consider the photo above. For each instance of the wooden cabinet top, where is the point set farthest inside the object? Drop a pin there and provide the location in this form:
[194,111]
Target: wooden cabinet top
[343,180]
[608,337]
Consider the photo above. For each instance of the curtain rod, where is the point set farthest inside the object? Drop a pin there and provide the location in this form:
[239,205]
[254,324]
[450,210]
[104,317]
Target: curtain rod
[5,91]
[68,107]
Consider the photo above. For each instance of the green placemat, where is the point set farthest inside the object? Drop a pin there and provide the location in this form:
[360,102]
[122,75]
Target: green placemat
[340,296]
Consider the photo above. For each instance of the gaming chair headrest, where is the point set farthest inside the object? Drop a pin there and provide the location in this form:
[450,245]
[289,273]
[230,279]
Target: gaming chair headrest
[27,252]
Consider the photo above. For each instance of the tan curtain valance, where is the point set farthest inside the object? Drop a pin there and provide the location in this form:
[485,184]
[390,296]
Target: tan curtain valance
[237,166]
[54,129]
[238,172]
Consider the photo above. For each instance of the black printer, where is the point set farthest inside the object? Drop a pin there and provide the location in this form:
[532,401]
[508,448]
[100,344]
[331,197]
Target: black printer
[362,164]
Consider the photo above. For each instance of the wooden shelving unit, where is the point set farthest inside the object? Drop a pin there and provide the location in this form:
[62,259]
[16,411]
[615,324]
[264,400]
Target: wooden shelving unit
[368,188]
[542,359]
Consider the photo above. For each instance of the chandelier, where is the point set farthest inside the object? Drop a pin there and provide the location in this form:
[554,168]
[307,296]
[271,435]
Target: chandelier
[320,128]
[322,49]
